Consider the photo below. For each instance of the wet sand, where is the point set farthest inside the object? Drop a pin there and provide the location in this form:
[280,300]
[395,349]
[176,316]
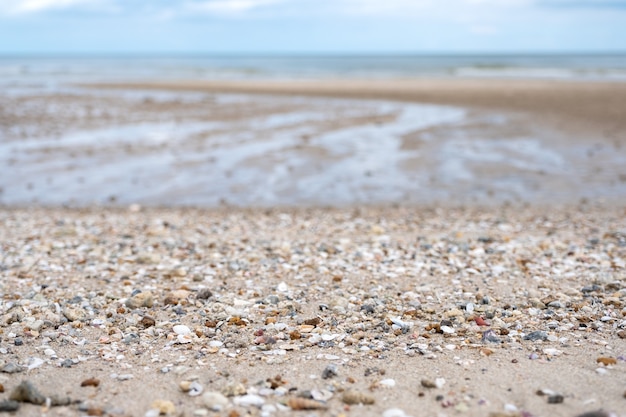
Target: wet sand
[598,107]
[338,143]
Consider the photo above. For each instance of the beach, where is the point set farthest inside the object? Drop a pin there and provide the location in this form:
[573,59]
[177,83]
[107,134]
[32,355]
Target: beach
[406,311]
[332,247]
[316,143]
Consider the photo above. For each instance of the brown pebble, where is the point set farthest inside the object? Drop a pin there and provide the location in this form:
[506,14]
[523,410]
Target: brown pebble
[204,294]
[1,388]
[606,361]
[95,412]
[313,322]
[352,397]
[294,335]
[147,321]
[296,403]
[514,361]
[91,382]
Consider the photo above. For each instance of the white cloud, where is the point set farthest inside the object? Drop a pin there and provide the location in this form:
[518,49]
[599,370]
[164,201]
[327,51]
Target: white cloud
[34,6]
[229,6]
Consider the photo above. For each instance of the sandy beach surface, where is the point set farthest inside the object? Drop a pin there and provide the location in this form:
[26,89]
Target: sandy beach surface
[396,302]
[316,312]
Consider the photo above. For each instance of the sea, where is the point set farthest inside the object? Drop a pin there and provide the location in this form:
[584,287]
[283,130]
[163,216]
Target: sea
[210,67]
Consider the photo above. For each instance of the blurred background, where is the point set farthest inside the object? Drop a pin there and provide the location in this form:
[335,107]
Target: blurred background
[258,102]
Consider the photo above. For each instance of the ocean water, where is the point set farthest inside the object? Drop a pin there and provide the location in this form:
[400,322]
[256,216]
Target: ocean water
[39,69]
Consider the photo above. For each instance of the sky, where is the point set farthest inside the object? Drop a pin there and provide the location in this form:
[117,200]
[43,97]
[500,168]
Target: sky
[311,26]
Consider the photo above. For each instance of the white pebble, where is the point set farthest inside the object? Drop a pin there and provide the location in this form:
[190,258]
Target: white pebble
[447,329]
[394,412]
[387,383]
[181,329]
[249,401]
[602,371]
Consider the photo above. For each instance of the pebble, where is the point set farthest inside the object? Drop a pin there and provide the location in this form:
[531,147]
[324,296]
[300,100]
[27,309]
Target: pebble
[394,412]
[9,406]
[90,382]
[552,352]
[490,337]
[214,401]
[164,407]
[353,397]
[249,400]
[437,383]
[297,403]
[329,372]
[181,330]
[142,299]
[538,335]
[192,388]
[176,297]
[26,392]
[555,399]
[12,368]
[387,383]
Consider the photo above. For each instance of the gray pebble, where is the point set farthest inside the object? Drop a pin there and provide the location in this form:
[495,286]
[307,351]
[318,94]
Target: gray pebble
[9,405]
[12,368]
[329,372]
[538,335]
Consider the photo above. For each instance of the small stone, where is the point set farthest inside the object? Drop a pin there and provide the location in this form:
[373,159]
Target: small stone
[353,397]
[26,392]
[164,407]
[599,413]
[12,368]
[74,314]
[176,297]
[297,403]
[147,321]
[538,335]
[18,341]
[249,400]
[387,383]
[606,361]
[90,382]
[148,258]
[232,390]
[204,294]
[555,399]
[9,406]
[447,330]
[552,352]
[329,372]
[214,401]
[490,337]
[142,299]
[181,329]
[394,412]
[192,388]
[602,371]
